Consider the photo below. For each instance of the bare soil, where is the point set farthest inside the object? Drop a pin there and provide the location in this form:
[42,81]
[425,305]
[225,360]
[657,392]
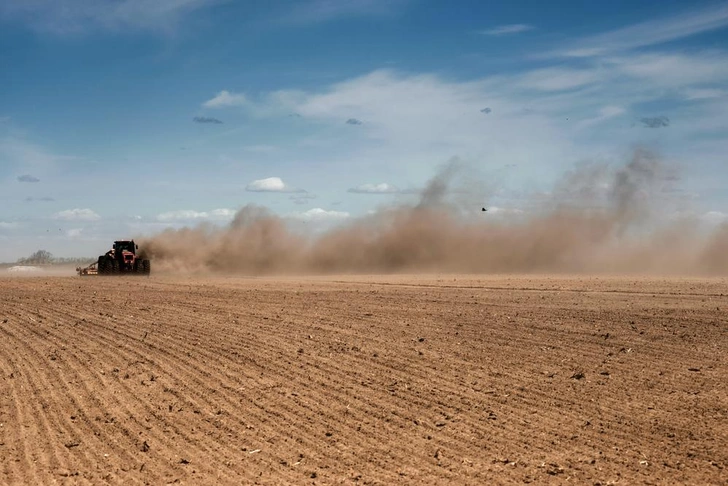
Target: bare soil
[364,380]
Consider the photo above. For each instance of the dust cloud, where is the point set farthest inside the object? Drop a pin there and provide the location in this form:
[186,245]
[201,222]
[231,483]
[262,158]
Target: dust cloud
[597,219]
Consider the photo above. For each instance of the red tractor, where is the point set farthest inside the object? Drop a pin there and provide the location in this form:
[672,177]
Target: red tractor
[123,258]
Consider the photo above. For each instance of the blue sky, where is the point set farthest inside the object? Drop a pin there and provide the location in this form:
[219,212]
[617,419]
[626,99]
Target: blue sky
[124,117]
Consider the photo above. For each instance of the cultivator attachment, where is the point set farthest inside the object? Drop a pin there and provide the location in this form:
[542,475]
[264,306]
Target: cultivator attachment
[92,269]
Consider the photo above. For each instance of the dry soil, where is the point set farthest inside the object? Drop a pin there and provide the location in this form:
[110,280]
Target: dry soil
[442,379]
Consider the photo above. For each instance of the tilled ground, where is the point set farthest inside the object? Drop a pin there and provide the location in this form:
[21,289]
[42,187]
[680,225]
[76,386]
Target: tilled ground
[368,380]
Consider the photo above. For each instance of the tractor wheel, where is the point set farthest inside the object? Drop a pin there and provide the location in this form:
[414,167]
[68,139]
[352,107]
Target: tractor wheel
[146,267]
[114,264]
[106,266]
[101,265]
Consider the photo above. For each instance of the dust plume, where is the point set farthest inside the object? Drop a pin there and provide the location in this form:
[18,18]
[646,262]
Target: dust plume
[597,219]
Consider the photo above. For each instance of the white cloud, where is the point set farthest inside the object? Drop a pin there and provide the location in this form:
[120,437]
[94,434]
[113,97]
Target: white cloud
[557,79]
[382,188]
[225,99]
[4,225]
[74,232]
[605,113]
[703,93]
[77,215]
[715,216]
[319,215]
[711,218]
[507,29]
[181,215]
[611,111]
[77,16]
[191,215]
[505,211]
[649,33]
[674,70]
[222,213]
[270,184]
[416,122]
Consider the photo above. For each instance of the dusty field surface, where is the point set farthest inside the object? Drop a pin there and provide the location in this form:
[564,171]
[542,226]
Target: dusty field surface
[363,380]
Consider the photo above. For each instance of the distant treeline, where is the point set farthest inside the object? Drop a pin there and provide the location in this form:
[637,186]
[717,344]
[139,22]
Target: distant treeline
[43,257]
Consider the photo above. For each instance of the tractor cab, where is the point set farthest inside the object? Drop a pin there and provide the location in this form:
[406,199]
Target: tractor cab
[125,253]
[125,245]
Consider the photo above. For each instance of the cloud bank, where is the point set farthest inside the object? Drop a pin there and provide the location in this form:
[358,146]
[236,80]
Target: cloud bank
[77,215]
[191,215]
[382,188]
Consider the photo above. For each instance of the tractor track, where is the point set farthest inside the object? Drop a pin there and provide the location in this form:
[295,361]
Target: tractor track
[363,380]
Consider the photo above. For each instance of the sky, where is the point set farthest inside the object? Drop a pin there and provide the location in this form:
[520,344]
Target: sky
[120,118]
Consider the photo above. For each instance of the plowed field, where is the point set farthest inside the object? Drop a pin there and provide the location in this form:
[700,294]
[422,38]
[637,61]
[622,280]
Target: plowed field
[363,380]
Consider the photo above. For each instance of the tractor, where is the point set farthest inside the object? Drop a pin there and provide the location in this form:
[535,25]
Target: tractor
[123,258]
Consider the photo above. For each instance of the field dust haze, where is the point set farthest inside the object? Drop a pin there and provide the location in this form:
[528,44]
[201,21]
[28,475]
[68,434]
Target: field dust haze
[597,219]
